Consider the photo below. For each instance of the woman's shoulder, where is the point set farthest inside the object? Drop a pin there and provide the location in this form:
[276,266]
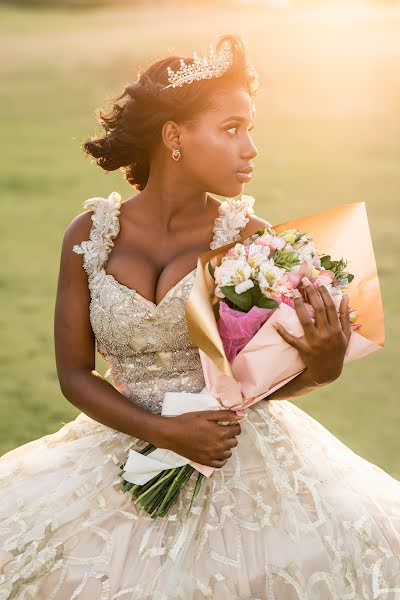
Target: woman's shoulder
[78,229]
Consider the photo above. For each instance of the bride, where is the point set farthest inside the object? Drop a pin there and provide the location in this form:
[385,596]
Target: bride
[290,513]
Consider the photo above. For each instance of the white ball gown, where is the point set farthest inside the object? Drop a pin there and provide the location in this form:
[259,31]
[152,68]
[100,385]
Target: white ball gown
[293,515]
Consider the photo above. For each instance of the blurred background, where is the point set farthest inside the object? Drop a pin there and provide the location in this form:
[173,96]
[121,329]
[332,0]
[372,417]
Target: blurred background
[327,128]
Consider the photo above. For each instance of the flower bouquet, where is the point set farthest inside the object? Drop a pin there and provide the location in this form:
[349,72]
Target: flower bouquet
[240,291]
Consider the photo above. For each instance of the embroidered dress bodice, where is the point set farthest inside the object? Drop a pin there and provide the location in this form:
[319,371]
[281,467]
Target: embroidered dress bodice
[146,345]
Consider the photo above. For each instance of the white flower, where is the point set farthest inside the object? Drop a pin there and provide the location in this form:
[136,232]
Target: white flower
[257,254]
[232,272]
[238,251]
[244,286]
[269,275]
[305,246]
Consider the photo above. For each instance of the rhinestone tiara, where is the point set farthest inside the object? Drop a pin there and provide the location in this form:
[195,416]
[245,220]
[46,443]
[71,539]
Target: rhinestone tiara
[203,67]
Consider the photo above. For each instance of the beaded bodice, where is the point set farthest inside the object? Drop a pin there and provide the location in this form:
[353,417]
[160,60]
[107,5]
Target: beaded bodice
[146,345]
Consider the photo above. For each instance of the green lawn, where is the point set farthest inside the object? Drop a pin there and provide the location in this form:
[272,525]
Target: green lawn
[327,131]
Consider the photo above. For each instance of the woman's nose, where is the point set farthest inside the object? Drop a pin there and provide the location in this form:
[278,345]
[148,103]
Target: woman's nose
[251,151]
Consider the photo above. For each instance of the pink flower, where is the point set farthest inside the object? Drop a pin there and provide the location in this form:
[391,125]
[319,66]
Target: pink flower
[273,241]
[325,277]
[284,285]
[294,277]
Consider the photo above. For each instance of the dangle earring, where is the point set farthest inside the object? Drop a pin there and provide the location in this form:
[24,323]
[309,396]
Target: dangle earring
[176,154]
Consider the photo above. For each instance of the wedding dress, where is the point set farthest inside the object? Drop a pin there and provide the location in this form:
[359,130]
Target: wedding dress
[293,515]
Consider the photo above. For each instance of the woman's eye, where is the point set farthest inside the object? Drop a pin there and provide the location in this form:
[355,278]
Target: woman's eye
[250,128]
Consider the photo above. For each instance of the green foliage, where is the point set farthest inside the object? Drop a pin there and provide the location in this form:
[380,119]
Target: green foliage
[337,267]
[284,258]
[242,302]
[246,300]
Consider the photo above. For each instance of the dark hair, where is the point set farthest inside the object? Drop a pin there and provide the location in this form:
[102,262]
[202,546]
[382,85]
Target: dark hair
[133,128]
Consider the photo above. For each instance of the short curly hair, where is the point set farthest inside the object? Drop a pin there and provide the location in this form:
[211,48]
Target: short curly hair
[133,128]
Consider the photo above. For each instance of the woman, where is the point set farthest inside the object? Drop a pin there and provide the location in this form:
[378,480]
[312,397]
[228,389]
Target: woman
[290,513]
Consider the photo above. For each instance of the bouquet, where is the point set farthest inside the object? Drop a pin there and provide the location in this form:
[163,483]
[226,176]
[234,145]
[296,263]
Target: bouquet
[259,274]
[240,290]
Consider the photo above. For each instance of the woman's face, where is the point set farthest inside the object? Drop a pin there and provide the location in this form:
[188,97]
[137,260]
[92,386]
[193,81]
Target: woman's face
[219,146]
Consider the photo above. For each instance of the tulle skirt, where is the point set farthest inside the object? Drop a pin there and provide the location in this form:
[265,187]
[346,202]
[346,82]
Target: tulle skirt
[293,515]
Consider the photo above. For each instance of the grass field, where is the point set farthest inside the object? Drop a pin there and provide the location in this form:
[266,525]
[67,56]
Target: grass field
[327,131]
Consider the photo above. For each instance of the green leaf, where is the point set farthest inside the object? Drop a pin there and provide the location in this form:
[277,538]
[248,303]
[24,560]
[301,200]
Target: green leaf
[261,231]
[260,300]
[211,269]
[338,267]
[244,301]
[326,262]
[285,259]
[265,302]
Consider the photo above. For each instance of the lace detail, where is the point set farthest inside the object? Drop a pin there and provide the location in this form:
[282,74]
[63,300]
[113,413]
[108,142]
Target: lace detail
[105,227]
[232,219]
[293,515]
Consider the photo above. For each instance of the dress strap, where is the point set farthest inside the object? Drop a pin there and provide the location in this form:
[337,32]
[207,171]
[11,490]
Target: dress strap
[105,227]
[233,218]
[227,227]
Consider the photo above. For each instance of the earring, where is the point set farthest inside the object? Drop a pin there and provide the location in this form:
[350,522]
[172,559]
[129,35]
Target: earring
[176,154]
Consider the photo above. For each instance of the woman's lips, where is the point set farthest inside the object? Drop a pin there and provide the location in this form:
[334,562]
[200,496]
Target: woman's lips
[243,177]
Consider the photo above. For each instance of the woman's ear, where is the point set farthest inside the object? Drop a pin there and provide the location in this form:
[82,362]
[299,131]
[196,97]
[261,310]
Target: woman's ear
[170,134]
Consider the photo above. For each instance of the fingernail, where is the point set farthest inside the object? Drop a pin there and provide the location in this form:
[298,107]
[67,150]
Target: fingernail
[306,281]
[296,293]
[275,325]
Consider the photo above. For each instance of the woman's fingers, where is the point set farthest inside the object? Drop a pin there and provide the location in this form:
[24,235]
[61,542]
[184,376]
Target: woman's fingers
[326,316]
[321,319]
[296,342]
[344,316]
[331,310]
[304,318]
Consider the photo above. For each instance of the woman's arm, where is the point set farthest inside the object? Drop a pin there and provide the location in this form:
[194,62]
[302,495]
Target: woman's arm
[298,386]
[75,350]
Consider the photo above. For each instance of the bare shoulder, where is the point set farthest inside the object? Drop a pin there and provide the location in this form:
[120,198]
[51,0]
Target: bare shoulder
[78,229]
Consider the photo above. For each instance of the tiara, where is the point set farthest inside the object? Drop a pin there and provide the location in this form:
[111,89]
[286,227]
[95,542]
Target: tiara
[203,67]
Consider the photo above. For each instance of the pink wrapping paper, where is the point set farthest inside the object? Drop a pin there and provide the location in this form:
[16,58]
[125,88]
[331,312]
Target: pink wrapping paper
[268,362]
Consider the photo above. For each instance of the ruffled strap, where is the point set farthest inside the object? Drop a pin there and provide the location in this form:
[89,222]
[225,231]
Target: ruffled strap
[105,227]
[233,218]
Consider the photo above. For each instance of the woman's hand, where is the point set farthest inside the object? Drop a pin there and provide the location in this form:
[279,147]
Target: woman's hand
[324,343]
[199,437]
